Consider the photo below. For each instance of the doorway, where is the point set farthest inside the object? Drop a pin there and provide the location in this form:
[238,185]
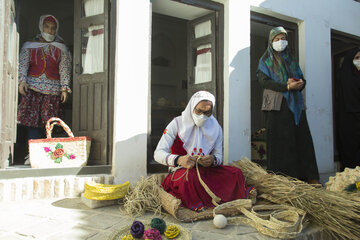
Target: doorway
[183,61]
[84,26]
[260,28]
[27,19]
[340,43]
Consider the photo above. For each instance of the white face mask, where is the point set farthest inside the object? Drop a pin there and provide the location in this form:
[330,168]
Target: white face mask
[199,119]
[48,37]
[280,45]
[357,63]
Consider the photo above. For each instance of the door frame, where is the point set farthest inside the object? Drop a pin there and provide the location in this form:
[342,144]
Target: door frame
[9,89]
[352,41]
[294,49]
[111,77]
[219,39]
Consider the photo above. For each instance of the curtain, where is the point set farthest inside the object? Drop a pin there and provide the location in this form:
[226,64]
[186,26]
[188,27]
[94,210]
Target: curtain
[203,71]
[203,54]
[203,29]
[93,53]
[93,7]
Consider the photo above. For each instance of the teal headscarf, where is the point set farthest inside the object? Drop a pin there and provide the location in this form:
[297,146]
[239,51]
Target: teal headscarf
[280,66]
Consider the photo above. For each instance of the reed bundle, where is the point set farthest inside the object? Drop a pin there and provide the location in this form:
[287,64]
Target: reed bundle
[143,197]
[338,214]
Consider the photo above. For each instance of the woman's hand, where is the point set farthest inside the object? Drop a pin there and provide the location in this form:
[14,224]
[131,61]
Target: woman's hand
[206,161]
[23,88]
[64,96]
[295,85]
[186,161]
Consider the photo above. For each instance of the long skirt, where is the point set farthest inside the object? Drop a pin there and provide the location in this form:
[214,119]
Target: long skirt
[35,109]
[349,136]
[290,149]
[226,182]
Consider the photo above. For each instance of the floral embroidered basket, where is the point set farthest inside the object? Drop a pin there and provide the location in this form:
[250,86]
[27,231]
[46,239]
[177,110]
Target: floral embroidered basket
[59,152]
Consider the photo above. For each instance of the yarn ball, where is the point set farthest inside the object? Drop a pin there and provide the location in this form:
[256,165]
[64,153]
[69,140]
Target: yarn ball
[220,221]
[159,224]
[172,231]
[152,233]
[127,237]
[137,229]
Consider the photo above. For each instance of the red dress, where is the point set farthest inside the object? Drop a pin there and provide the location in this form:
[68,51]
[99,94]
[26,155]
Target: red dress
[226,182]
[41,103]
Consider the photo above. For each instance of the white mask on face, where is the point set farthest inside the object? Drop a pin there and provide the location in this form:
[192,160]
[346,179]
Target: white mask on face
[48,37]
[199,119]
[357,63]
[280,45]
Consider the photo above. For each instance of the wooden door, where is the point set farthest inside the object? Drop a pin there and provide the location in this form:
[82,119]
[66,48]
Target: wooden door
[202,55]
[9,49]
[90,76]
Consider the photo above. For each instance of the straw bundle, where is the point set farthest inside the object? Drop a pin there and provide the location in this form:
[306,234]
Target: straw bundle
[144,196]
[97,191]
[338,214]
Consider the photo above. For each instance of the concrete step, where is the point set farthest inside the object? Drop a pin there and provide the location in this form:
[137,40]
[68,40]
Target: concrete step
[19,189]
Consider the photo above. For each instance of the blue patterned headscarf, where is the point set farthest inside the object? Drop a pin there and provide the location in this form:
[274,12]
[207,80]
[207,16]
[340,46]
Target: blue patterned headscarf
[280,66]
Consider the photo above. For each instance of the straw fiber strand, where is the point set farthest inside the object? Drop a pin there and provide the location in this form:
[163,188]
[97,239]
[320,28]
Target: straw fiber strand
[338,213]
[143,197]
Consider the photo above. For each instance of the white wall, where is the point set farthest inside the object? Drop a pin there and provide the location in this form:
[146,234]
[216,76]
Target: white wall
[316,19]
[131,89]
[237,115]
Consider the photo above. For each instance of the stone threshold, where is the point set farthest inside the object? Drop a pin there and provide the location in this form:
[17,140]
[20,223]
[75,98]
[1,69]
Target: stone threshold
[28,188]
[22,171]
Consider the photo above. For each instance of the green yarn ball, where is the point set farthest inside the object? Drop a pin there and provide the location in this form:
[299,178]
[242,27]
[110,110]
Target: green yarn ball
[159,224]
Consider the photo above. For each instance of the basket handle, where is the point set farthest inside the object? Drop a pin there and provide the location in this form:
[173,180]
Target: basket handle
[57,121]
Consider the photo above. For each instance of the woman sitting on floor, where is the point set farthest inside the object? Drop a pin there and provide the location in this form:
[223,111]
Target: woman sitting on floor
[196,137]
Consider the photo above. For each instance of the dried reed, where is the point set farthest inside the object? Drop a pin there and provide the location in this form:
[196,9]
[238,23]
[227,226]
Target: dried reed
[338,214]
[143,197]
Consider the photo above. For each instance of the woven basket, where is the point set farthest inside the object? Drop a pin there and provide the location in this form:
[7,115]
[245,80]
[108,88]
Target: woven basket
[118,234]
[97,191]
[59,152]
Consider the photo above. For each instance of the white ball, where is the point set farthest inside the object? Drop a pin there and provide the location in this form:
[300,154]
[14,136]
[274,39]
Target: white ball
[220,221]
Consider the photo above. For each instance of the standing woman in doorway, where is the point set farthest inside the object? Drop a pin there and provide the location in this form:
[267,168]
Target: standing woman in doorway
[44,77]
[349,110]
[290,149]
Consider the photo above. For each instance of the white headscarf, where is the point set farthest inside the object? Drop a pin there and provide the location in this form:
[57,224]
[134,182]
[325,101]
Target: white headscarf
[56,43]
[198,140]
[41,23]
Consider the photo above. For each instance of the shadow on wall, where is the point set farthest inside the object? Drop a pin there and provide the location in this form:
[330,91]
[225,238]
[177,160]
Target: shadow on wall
[239,106]
[130,159]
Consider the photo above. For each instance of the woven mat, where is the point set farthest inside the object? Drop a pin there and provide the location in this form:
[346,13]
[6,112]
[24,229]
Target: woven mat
[118,234]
